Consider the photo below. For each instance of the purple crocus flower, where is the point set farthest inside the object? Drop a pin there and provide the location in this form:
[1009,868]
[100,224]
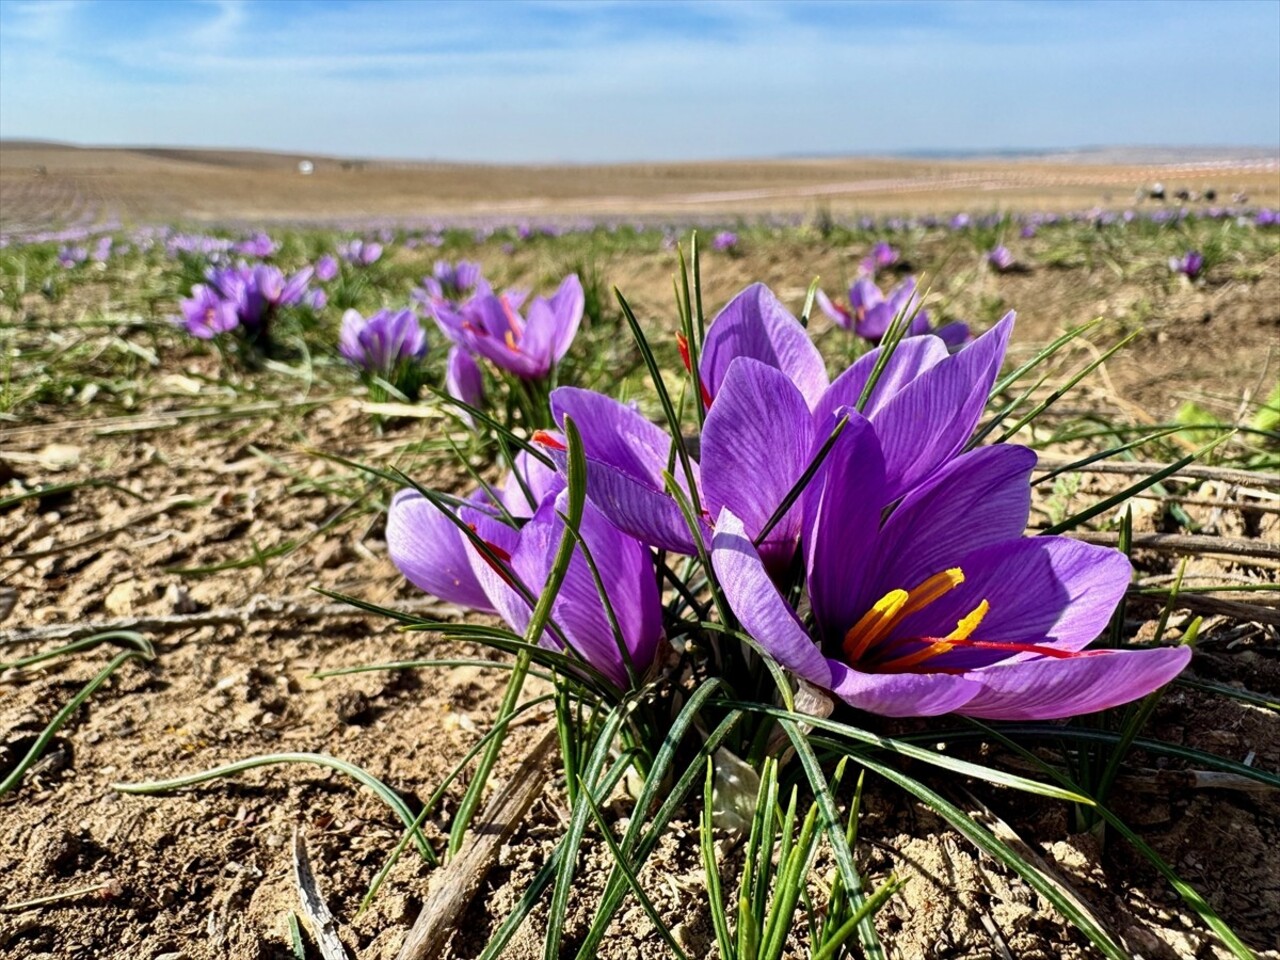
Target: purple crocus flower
[360,252]
[488,325]
[437,557]
[725,240]
[259,245]
[944,606]
[102,250]
[206,314]
[70,257]
[770,403]
[326,268]
[1190,264]
[882,256]
[1000,258]
[870,312]
[382,342]
[453,283]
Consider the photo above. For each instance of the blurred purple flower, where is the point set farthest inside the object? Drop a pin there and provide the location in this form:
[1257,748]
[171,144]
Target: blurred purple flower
[72,256]
[1000,258]
[882,256]
[725,240]
[488,325]
[206,314]
[259,245]
[326,268]
[383,342]
[463,379]
[1190,264]
[870,312]
[361,253]
[453,283]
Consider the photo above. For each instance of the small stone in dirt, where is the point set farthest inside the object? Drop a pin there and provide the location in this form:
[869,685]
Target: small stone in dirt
[179,600]
[352,707]
[123,599]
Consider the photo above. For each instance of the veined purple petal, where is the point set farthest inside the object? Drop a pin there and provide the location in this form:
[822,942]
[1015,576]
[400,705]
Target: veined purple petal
[759,427]
[838,314]
[540,483]
[755,601]
[980,498]
[430,550]
[911,359]
[903,694]
[929,420]
[1047,591]
[463,379]
[842,508]
[1049,689]
[755,324]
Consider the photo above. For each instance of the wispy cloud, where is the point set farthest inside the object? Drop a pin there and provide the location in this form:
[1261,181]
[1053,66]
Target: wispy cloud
[618,79]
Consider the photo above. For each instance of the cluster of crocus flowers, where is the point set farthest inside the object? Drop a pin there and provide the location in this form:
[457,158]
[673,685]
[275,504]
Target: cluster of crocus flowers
[925,596]
[389,345]
[1190,264]
[451,282]
[242,298]
[870,312]
[520,526]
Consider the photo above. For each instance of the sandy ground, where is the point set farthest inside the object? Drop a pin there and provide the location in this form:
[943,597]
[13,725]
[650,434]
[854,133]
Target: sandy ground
[153,185]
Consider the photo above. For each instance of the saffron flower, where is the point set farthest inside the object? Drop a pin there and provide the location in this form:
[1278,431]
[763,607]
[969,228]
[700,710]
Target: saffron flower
[1190,264]
[453,283]
[944,606]
[1000,259]
[206,314]
[383,342]
[326,268]
[769,405]
[725,241]
[489,326]
[881,257]
[434,554]
[360,253]
[259,245]
[870,312]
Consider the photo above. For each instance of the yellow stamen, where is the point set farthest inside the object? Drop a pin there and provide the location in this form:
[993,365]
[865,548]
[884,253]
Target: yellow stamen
[932,589]
[511,340]
[875,623]
[893,607]
[971,621]
[964,629]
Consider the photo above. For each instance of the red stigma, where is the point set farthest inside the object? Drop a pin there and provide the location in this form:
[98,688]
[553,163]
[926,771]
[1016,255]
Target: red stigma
[683,343]
[547,439]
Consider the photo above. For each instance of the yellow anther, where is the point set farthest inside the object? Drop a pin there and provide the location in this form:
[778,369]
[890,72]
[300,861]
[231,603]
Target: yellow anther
[875,623]
[971,621]
[929,591]
[511,340]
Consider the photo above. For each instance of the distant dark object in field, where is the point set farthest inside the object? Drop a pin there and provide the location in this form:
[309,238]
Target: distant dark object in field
[1183,195]
[350,165]
[1210,195]
[1156,192]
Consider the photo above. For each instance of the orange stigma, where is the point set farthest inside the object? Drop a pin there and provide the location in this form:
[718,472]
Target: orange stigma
[545,438]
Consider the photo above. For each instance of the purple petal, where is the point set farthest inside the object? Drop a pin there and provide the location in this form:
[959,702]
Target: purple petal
[755,324]
[1049,689]
[1048,591]
[842,510]
[430,550]
[912,358]
[928,421]
[839,315]
[626,457]
[903,694]
[980,498]
[763,612]
[759,427]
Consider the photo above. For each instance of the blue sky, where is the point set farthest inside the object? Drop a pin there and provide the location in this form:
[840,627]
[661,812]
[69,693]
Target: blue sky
[606,80]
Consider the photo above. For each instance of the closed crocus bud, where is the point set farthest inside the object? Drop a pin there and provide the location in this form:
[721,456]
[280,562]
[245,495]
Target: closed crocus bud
[326,268]
[463,379]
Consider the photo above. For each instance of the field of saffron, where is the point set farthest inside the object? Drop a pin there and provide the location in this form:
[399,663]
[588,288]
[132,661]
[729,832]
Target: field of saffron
[822,586]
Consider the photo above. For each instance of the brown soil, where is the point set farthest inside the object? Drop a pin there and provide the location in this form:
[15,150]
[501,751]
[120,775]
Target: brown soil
[205,873]
[216,186]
